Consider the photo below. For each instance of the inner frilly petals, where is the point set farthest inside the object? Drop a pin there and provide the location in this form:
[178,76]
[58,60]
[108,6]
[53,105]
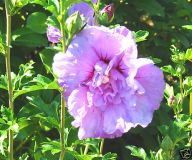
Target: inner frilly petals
[114,62]
[99,76]
[99,101]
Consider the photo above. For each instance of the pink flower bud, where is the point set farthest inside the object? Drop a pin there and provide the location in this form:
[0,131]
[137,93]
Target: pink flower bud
[171,100]
[109,10]
[53,34]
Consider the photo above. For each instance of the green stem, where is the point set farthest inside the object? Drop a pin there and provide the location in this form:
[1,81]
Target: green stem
[101,146]
[181,90]
[62,116]
[98,3]
[86,149]
[8,72]
[190,105]
[62,127]
[20,146]
[96,10]
[62,26]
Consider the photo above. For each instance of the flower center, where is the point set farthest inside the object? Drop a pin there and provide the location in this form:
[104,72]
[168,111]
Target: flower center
[100,77]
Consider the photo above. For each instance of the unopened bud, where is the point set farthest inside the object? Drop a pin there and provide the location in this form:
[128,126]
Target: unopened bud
[107,14]
[109,10]
[53,34]
[171,100]
[74,23]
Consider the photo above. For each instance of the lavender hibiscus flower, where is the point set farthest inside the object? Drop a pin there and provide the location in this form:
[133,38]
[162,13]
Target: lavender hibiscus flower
[85,10]
[54,34]
[108,90]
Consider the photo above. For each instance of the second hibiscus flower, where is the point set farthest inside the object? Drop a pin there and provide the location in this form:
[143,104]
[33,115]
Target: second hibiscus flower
[108,90]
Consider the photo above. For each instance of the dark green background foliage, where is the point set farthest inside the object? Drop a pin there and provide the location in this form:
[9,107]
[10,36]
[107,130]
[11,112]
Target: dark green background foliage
[37,112]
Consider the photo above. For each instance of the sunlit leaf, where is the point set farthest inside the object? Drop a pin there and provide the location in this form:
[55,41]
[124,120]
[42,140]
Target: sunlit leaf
[37,22]
[141,35]
[137,152]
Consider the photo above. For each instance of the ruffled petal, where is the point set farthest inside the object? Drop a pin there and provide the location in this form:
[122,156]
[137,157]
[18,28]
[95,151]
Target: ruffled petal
[78,105]
[99,38]
[152,80]
[150,85]
[116,119]
[91,125]
[129,42]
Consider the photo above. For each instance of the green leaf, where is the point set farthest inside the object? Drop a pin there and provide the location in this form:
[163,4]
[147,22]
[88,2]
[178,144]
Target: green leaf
[40,2]
[21,3]
[27,89]
[37,22]
[74,24]
[188,54]
[2,141]
[24,157]
[24,75]
[8,117]
[53,7]
[141,35]
[53,146]
[169,91]
[137,152]
[48,112]
[176,127]
[42,83]
[49,109]
[155,60]
[2,44]
[31,40]
[151,7]
[16,5]
[46,56]
[110,156]
[3,82]
[21,32]
[167,144]
[78,156]
[53,21]
[187,83]
[45,82]
[187,27]
[6,113]
[169,69]
[23,122]
[50,5]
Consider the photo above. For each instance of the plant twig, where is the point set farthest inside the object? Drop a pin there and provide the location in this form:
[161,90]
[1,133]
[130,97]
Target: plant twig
[62,127]
[86,149]
[181,90]
[190,105]
[62,112]
[8,72]
[62,26]
[101,146]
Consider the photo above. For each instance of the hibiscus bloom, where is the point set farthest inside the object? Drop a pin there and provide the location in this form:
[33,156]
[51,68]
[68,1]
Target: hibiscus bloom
[54,34]
[107,89]
[85,10]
